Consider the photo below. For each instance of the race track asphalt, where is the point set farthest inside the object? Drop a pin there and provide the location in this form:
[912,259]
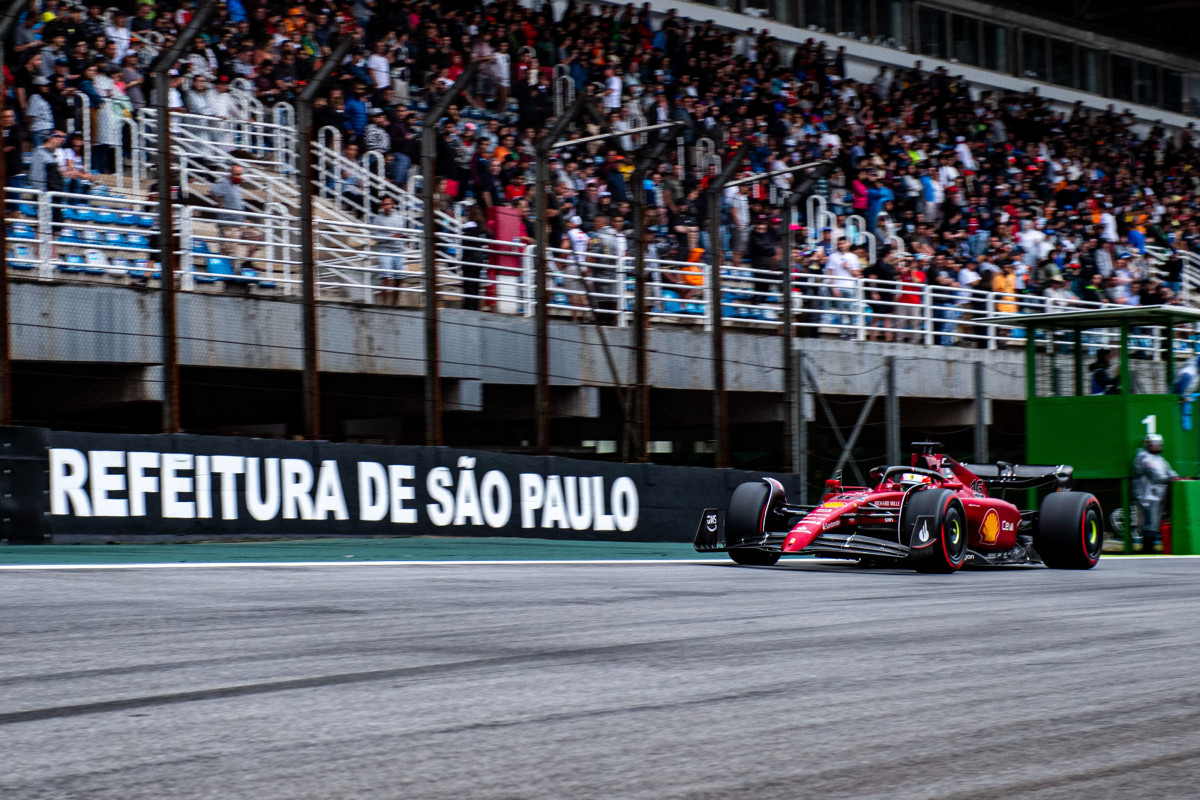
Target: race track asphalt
[597,680]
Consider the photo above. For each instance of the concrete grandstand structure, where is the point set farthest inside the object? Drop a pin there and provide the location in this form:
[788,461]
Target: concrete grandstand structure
[85,274]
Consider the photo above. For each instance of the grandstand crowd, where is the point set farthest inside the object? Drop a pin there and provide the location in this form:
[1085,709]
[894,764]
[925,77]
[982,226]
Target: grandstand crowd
[962,189]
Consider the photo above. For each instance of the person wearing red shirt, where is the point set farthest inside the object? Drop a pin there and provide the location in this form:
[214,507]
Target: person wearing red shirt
[912,287]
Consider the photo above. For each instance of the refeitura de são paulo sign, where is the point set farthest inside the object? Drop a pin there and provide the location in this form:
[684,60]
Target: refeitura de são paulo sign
[185,486]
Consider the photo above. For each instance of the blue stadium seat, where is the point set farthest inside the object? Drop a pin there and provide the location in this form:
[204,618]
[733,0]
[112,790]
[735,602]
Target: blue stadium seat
[200,246]
[146,221]
[68,235]
[91,236]
[219,269]
[21,257]
[95,261]
[74,263]
[22,231]
[120,265]
[27,210]
[140,267]
[125,218]
[137,240]
[114,239]
[106,216]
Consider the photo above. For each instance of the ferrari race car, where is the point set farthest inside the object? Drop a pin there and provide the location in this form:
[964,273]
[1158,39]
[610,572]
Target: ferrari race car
[932,515]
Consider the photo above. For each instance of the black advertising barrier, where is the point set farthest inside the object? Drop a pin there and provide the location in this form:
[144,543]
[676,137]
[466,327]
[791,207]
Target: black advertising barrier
[68,486]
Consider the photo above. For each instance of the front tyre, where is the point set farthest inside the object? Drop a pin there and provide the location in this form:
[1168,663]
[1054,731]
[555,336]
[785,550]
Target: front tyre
[1070,534]
[748,557]
[751,511]
[936,525]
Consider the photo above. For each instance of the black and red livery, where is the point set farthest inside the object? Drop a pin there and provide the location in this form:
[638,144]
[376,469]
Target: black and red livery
[933,515]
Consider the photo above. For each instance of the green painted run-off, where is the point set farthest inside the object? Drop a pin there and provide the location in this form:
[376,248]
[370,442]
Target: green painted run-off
[413,548]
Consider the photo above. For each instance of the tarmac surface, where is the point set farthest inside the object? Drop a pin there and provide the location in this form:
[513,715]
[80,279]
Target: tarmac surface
[598,680]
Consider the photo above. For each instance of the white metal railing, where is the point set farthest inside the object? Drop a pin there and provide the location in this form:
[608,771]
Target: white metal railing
[84,237]
[244,247]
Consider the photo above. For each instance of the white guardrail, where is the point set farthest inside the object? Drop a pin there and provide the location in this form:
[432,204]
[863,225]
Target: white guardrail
[71,237]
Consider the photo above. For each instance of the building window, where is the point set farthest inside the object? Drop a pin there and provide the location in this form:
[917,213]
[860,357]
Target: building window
[889,22]
[964,39]
[822,13]
[995,48]
[1089,70]
[1062,63]
[1033,56]
[856,17]
[1146,84]
[932,25]
[1122,78]
[1172,89]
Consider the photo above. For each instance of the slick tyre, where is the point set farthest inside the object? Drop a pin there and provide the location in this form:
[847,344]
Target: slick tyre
[1070,530]
[750,509]
[936,525]
[748,557]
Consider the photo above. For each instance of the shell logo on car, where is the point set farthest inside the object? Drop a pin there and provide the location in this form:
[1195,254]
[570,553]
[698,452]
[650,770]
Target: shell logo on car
[990,529]
[832,505]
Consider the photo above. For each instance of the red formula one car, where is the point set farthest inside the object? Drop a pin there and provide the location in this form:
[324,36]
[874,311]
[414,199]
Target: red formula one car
[933,515]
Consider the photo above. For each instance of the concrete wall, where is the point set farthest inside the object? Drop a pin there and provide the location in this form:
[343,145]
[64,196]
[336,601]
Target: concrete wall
[119,326]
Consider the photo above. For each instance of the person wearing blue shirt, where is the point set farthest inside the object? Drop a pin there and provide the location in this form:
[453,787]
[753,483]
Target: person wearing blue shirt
[356,110]
[1137,240]
[878,195]
[235,10]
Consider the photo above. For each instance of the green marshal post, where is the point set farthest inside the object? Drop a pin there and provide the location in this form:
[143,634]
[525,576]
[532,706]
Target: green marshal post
[1098,433]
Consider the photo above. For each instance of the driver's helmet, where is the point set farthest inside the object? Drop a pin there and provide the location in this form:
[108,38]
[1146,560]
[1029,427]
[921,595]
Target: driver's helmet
[911,479]
[1153,442]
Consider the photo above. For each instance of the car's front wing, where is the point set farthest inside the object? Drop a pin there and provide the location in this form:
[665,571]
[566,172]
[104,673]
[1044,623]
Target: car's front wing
[841,544]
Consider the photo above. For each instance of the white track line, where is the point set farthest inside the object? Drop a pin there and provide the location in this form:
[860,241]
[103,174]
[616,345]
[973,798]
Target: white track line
[514,563]
[225,564]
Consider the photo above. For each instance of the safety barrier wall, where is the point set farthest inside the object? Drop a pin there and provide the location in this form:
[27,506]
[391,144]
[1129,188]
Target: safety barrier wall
[66,486]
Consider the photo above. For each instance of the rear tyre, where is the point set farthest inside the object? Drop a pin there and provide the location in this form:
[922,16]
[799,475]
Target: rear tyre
[754,558]
[751,506]
[936,525]
[1070,531]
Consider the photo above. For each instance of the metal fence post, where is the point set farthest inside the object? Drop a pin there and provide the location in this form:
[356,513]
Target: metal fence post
[981,437]
[433,369]
[892,414]
[171,418]
[310,380]
[6,412]
[716,310]
[800,444]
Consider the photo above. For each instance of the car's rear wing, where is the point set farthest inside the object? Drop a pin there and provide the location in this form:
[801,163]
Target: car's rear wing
[1003,475]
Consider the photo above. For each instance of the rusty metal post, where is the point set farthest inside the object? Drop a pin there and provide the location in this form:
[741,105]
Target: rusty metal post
[311,378]
[433,358]
[541,390]
[640,319]
[720,396]
[171,419]
[11,12]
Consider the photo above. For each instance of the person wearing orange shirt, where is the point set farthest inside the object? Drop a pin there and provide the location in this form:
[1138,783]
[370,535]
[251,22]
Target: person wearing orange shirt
[1004,283]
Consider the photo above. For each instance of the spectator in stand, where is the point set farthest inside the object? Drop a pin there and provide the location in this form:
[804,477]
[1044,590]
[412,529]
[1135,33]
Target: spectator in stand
[39,111]
[76,177]
[44,174]
[232,223]
[390,249]
[971,179]
[844,270]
